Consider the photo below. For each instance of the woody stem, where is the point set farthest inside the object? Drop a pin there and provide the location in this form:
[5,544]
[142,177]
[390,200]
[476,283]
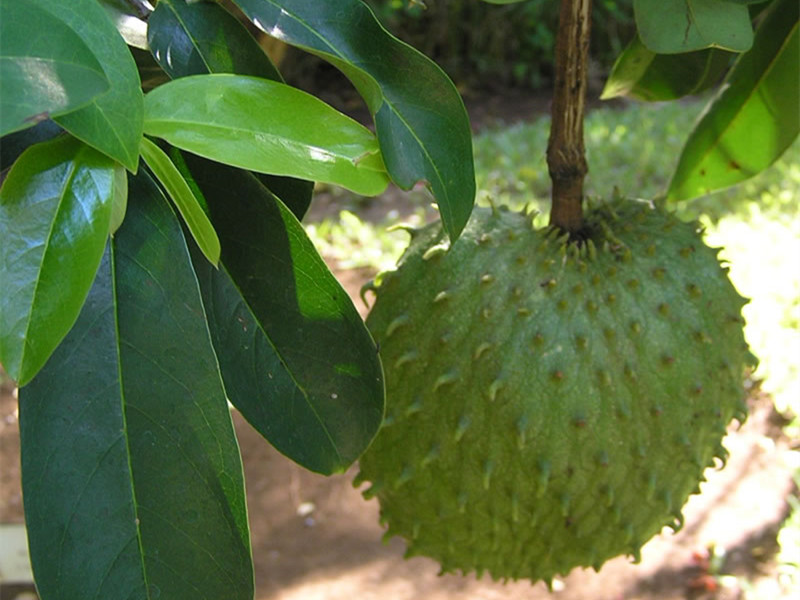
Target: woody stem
[566,159]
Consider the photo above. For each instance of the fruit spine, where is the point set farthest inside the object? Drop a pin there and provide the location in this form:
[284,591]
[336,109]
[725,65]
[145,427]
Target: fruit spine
[551,404]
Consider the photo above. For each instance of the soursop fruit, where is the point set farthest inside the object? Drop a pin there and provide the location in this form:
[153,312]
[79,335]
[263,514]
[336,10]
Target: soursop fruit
[551,404]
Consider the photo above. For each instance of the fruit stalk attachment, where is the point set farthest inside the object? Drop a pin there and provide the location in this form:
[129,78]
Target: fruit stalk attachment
[566,159]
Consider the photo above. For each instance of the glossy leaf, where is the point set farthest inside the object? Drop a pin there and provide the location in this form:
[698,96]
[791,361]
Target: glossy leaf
[14,144]
[55,210]
[673,26]
[200,38]
[295,356]
[754,118]
[420,119]
[111,123]
[119,198]
[45,67]
[195,39]
[129,23]
[196,220]
[131,474]
[644,75]
[265,126]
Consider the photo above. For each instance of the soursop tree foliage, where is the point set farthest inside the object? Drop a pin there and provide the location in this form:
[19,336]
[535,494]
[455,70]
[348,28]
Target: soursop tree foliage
[153,268]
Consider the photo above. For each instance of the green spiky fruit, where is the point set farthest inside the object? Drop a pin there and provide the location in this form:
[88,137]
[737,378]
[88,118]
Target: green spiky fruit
[551,404]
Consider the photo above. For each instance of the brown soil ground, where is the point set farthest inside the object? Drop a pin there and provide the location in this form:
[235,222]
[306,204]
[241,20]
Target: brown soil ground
[315,538]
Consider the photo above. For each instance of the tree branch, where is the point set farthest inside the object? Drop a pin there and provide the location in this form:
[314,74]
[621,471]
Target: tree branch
[566,159]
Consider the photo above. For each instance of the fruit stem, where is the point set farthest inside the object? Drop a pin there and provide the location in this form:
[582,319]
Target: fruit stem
[566,156]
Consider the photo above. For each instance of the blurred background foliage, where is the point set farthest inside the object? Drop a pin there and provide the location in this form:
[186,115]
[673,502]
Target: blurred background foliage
[481,46]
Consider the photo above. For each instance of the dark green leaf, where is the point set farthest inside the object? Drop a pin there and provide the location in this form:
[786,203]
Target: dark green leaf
[755,117]
[151,73]
[265,126]
[131,474]
[673,26]
[296,358]
[45,67]
[196,220]
[200,38]
[55,210]
[112,123]
[294,193]
[419,117]
[645,75]
[14,144]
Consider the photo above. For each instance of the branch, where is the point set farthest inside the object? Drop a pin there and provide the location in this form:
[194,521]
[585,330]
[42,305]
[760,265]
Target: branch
[566,159]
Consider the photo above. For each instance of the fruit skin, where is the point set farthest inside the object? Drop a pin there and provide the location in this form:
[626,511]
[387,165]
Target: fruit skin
[551,405]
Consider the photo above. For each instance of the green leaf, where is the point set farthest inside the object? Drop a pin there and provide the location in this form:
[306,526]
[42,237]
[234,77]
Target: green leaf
[644,75]
[294,193]
[295,356]
[128,22]
[111,123]
[55,210]
[196,220]
[45,67]
[420,119]
[673,26]
[131,473]
[119,199]
[200,38]
[754,118]
[265,126]
[14,144]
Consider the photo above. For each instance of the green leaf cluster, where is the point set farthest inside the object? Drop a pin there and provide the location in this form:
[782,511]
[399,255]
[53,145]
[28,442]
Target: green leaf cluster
[153,269]
[755,114]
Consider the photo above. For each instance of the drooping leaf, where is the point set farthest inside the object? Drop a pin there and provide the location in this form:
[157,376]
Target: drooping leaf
[420,119]
[644,75]
[55,210]
[295,356]
[111,123]
[131,473]
[755,117]
[196,220]
[45,67]
[673,26]
[265,126]
[200,38]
